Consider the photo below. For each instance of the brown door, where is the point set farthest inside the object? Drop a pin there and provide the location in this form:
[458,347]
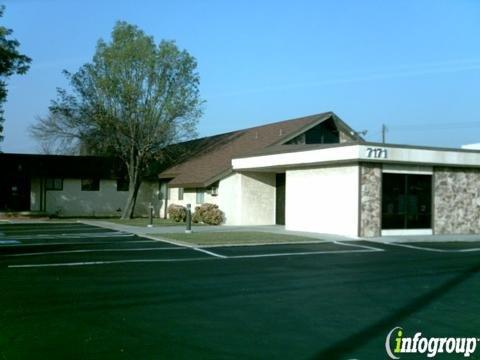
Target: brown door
[280,199]
[16,190]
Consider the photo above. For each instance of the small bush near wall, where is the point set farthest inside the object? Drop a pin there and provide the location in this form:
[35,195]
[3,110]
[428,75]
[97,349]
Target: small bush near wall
[177,213]
[209,214]
[196,216]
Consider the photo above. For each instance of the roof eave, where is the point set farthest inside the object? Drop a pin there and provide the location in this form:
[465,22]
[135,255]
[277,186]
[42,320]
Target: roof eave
[201,184]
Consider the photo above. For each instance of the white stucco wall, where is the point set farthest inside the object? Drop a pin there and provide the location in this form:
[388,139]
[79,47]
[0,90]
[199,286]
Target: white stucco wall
[245,199]
[257,199]
[229,198]
[323,200]
[189,197]
[72,201]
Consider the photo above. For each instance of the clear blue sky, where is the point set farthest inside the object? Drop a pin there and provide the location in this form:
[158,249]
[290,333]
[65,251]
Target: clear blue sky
[409,64]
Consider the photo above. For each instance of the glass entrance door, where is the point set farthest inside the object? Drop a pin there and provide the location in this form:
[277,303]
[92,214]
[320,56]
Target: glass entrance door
[406,201]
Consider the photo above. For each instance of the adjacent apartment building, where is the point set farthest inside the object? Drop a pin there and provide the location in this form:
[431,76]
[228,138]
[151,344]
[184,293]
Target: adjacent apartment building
[68,186]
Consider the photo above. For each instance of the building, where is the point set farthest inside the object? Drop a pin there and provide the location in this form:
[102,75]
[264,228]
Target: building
[475,146]
[68,186]
[313,173]
[316,174]
[247,198]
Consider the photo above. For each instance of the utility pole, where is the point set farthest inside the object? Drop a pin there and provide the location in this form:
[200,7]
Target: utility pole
[384,132]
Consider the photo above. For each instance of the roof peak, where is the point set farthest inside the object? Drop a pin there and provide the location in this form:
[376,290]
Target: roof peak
[313,116]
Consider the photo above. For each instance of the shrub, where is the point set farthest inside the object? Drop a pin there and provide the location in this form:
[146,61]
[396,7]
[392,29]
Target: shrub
[177,213]
[209,214]
[196,218]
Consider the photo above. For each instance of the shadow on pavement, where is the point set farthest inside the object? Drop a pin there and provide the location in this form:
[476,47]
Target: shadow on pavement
[348,345]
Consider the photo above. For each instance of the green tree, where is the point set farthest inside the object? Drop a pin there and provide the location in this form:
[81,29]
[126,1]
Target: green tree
[11,62]
[131,101]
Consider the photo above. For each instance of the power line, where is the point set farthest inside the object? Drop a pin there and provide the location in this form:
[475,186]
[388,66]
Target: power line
[435,126]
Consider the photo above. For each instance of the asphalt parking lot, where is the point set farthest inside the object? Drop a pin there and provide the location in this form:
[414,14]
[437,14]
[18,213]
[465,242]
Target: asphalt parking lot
[79,291]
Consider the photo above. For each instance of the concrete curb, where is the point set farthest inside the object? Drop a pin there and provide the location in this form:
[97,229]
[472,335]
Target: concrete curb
[265,243]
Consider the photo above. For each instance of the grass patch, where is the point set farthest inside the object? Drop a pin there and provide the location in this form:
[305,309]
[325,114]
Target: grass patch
[240,237]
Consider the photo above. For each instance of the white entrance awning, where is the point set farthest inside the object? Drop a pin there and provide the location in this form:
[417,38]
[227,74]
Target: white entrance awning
[367,152]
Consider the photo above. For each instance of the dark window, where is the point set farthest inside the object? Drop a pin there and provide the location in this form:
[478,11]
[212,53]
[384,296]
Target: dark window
[91,184]
[180,193]
[55,184]
[324,133]
[122,184]
[406,201]
[214,190]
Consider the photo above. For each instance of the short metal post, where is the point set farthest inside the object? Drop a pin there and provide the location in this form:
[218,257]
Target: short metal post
[188,230]
[150,215]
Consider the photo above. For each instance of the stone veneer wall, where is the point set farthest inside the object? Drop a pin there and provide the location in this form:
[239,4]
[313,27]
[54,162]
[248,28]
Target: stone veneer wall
[370,199]
[456,201]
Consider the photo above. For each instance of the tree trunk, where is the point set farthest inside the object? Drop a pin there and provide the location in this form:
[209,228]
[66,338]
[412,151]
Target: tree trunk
[131,200]
[134,186]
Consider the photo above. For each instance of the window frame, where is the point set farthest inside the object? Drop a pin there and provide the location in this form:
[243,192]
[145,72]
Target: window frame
[200,193]
[181,192]
[52,186]
[403,207]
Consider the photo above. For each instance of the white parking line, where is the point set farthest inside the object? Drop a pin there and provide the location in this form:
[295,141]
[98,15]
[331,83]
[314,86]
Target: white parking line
[34,229]
[96,250]
[134,241]
[75,243]
[70,236]
[214,256]
[52,229]
[88,263]
[302,253]
[209,252]
[357,245]
[6,242]
[184,245]
[426,248]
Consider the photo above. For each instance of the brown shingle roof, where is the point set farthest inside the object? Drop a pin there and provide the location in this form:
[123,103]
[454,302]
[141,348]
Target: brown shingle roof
[214,159]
